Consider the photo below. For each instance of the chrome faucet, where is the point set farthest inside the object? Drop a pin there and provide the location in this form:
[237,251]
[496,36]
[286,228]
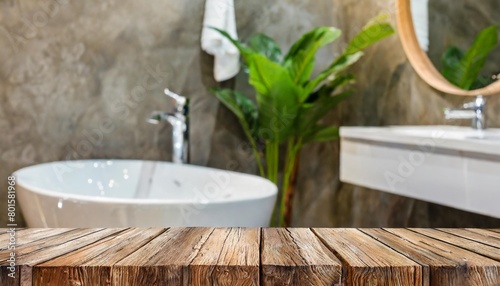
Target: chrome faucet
[179,119]
[475,110]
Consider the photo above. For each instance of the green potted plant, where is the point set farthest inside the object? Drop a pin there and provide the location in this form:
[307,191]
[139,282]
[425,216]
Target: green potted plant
[290,103]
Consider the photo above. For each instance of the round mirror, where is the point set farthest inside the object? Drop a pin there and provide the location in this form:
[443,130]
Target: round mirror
[453,44]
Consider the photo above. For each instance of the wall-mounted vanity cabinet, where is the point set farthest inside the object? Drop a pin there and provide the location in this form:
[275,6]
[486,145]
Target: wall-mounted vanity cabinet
[453,166]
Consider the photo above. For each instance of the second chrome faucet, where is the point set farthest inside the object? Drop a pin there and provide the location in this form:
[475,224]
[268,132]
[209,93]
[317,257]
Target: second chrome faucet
[475,110]
[179,119]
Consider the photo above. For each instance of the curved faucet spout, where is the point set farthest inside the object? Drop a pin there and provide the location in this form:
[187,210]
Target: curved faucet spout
[155,117]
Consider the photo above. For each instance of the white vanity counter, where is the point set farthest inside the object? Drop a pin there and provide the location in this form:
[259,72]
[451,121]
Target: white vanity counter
[453,166]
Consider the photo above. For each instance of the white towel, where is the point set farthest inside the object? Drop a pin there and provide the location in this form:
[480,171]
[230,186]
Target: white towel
[420,15]
[220,14]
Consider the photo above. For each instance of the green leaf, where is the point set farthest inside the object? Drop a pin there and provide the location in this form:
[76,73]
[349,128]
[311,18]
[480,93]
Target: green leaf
[451,61]
[322,134]
[377,29]
[482,81]
[242,107]
[330,87]
[463,70]
[310,114]
[266,74]
[277,98]
[300,59]
[266,46]
[342,63]
[245,51]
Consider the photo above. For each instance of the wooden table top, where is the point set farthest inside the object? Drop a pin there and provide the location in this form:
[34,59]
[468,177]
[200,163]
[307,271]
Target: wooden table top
[251,256]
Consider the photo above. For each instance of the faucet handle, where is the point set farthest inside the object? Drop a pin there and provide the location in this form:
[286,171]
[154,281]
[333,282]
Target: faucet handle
[477,104]
[180,101]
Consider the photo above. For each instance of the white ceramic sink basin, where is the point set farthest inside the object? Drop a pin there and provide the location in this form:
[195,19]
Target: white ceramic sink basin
[127,193]
[453,166]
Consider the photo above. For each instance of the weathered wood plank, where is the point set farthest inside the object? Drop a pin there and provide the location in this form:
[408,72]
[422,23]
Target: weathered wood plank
[26,275]
[35,234]
[9,274]
[91,265]
[449,265]
[5,280]
[41,251]
[47,242]
[474,245]
[25,249]
[369,262]
[64,246]
[23,236]
[486,236]
[163,260]
[230,256]
[297,257]
[3,230]
[6,229]
[5,237]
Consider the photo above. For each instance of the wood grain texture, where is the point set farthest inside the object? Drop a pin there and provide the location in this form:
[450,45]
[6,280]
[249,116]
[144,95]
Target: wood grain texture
[47,242]
[3,230]
[483,236]
[297,257]
[163,260]
[5,280]
[23,236]
[41,251]
[239,256]
[472,243]
[230,256]
[5,270]
[26,275]
[32,254]
[448,264]
[91,265]
[369,262]
[484,231]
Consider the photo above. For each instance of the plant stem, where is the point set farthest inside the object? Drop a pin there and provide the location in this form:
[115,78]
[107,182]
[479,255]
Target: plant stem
[272,160]
[272,157]
[292,151]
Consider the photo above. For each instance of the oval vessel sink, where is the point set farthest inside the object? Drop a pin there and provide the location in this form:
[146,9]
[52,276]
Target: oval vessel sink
[128,193]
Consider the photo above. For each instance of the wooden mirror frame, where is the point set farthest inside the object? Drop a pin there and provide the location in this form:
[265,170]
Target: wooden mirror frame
[421,62]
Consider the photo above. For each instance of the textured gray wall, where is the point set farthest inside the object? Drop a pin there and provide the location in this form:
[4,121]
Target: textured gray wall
[77,80]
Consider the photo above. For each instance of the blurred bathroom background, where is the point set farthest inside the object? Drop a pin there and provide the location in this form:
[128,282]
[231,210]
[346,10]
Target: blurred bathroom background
[78,78]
